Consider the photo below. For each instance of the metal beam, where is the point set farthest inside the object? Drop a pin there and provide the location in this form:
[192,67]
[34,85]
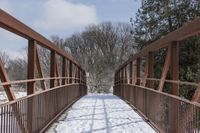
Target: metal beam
[151,69]
[40,72]
[15,26]
[187,30]
[63,70]
[146,72]
[174,67]
[4,78]
[57,73]
[165,69]
[131,73]
[70,71]
[138,71]
[53,68]
[31,66]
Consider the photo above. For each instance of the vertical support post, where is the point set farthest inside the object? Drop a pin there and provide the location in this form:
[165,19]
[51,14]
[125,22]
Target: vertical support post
[79,75]
[85,81]
[130,81]
[138,71]
[126,74]
[74,74]
[31,66]
[118,77]
[134,73]
[31,85]
[151,68]
[115,78]
[67,71]
[174,68]
[57,74]
[146,73]
[174,74]
[121,76]
[115,82]
[63,70]
[70,71]
[131,73]
[53,68]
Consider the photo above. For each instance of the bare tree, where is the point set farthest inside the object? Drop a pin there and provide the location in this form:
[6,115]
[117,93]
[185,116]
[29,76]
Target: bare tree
[4,57]
[100,49]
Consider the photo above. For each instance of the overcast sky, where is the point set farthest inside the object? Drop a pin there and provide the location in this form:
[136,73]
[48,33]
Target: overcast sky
[62,17]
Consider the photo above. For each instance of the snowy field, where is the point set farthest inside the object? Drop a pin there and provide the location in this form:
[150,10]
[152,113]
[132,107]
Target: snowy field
[100,113]
[3,97]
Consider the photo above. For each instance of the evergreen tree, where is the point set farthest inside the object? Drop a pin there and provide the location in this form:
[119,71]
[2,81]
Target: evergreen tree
[155,19]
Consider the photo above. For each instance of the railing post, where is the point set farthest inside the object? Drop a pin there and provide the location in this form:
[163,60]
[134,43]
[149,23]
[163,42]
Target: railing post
[146,73]
[131,73]
[120,76]
[63,70]
[85,81]
[67,71]
[53,68]
[70,71]
[126,74]
[75,74]
[122,73]
[151,68]
[31,85]
[174,67]
[31,66]
[126,88]
[174,74]
[138,71]
[115,78]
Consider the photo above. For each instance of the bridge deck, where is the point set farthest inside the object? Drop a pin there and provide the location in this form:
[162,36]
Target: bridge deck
[101,113]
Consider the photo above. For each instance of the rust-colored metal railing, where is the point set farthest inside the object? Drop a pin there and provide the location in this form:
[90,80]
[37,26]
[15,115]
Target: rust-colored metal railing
[46,106]
[166,111]
[36,111]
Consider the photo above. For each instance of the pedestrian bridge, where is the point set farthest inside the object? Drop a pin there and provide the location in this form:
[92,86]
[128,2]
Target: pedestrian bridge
[101,113]
[145,106]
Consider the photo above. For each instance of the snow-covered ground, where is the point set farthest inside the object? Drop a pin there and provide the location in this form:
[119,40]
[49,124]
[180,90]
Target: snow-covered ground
[101,113]
[18,94]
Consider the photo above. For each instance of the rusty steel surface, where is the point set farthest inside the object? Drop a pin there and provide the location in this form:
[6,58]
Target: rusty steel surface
[4,78]
[167,112]
[45,107]
[157,108]
[40,79]
[36,111]
[187,30]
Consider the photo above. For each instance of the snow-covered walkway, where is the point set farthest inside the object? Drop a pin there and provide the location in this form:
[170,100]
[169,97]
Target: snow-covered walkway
[101,113]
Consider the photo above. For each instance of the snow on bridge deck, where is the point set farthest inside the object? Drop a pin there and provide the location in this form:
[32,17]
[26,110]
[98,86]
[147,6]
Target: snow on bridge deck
[101,113]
